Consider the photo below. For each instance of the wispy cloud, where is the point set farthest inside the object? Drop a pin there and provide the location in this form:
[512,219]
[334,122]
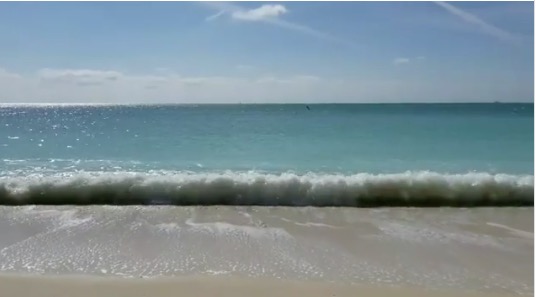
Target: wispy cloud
[6,74]
[270,14]
[82,77]
[215,16]
[400,61]
[485,27]
[264,12]
[268,88]
[406,60]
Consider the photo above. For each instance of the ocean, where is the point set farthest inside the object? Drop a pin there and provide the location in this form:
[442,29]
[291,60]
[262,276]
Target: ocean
[432,196]
[323,155]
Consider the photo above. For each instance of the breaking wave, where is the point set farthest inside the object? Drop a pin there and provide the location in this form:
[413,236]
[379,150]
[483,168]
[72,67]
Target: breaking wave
[411,189]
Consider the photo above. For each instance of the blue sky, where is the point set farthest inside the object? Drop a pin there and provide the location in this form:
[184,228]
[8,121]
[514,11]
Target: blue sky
[197,52]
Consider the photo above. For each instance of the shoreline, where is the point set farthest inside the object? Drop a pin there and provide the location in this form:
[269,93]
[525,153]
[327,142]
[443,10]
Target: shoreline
[28,285]
[282,250]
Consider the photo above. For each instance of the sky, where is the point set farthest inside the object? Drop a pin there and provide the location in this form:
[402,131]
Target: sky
[266,52]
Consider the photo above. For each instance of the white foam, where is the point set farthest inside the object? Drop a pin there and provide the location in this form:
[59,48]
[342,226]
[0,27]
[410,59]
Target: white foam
[224,228]
[520,233]
[254,188]
[312,224]
[168,227]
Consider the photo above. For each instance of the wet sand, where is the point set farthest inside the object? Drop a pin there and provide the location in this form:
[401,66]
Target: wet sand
[15,286]
[266,250]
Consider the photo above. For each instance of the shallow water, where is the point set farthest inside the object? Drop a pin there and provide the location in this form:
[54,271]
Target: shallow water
[484,249]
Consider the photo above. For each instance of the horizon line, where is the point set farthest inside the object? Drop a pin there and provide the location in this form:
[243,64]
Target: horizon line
[45,104]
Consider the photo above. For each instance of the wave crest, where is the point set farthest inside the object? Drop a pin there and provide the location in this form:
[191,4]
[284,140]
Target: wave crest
[415,189]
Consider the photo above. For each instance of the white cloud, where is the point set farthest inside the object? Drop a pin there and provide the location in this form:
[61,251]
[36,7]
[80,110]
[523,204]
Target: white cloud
[399,61]
[270,14]
[485,27]
[172,88]
[154,81]
[261,13]
[6,74]
[84,77]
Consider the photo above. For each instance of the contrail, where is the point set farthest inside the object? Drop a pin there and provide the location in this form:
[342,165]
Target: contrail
[215,16]
[225,7]
[473,19]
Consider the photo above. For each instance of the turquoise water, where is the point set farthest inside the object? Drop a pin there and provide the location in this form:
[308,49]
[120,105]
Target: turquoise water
[267,141]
